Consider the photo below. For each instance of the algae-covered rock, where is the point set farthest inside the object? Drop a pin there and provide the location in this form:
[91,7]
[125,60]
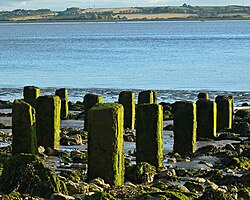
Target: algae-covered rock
[245,180]
[215,195]
[100,196]
[194,186]
[244,193]
[171,194]
[140,173]
[26,174]
[241,163]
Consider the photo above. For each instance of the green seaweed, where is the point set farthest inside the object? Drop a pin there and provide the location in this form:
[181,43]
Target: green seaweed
[26,174]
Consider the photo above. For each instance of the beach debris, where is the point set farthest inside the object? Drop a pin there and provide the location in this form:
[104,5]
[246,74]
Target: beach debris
[48,121]
[23,128]
[224,112]
[127,99]
[206,118]
[105,143]
[147,96]
[184,127]
[63,94]
[149,127]
[89,101]
[30,94]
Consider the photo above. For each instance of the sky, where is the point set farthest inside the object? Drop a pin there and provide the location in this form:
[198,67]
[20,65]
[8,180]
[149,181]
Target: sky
[63,4]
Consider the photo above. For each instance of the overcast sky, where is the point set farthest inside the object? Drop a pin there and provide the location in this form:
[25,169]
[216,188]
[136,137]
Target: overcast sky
[63,4]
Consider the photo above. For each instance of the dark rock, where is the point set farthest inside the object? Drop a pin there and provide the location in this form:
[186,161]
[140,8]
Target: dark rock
[206,150]
[194,186]
[245,180]
[244,193]
[228,136]
[169,127]
[140,173]
[26,173]
[241,127]
[228,180]
[215,195]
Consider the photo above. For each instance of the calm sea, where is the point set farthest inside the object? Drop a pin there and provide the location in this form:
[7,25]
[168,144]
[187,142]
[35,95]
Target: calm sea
[171,55]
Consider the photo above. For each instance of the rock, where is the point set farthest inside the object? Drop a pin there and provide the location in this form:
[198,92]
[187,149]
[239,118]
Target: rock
[245,180]
[161,185]
[228,180]
[241,128]
[100,195]
[59,196]
[244,193]
[26,173]
[228,136]
[140,173]
[194,186]
[230,147]
[172,160]
[206,150]
[100,182]
[215,195]
[206,163]
[241,163]
[169,127]
[71,140]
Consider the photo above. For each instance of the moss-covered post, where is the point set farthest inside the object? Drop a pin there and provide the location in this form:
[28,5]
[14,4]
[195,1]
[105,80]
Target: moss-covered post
[48,111]
[206,118]
[203,95]
[23,128]
[63,94]
[89,101]
[148,96]
[224,112]
[30,94]
[232,104]
[184,127]
[127,99]
[105,143]
[149,145]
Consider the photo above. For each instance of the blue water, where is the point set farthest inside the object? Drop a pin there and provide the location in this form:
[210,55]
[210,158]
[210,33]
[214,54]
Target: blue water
[171,55]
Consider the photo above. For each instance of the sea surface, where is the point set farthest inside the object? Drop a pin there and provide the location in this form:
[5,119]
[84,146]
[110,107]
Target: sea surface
[168,56]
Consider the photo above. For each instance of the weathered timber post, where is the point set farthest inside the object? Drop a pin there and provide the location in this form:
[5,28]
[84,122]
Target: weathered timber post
[149,127]
[184,127]
[89,101]
[30,94]
[224,112]
[48,111]
[63,94]
[203,95]
[105,143]
[148,96]
[206,118]
[127,99]
[23,128]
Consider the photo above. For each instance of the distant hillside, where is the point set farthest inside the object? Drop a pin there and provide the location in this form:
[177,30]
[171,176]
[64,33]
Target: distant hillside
[137,13]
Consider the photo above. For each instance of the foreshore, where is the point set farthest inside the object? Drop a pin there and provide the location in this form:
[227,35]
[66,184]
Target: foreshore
[219,169]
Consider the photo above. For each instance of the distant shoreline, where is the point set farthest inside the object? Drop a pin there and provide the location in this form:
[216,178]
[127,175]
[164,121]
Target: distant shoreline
[121,21]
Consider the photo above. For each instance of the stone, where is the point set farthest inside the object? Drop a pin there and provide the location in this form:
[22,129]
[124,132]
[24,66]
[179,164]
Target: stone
[148,96]
[30,94]
[23,128]
[63,94]
[224,112]
[149,126]
[184,127]
[89,101]
[206,118]
[105,143]
[203,95]
[127,99]
[27,174]
[140,173]
[48,121]
[59,196]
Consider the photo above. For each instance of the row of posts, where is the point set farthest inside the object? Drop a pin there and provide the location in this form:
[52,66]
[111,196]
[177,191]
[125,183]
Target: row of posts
[105,123]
